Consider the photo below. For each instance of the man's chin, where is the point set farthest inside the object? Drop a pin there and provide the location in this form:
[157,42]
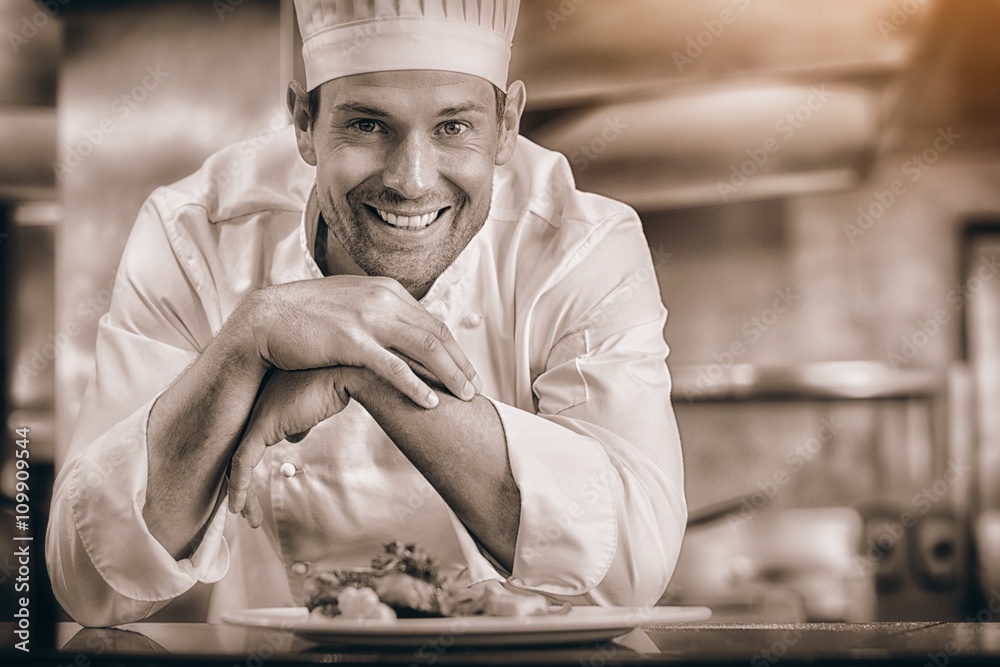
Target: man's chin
[416,279]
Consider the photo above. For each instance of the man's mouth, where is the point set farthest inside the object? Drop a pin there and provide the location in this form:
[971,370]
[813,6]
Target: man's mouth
[411,221]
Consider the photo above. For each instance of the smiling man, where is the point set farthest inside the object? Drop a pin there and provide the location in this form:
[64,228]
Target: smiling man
[401,321]
[415,150]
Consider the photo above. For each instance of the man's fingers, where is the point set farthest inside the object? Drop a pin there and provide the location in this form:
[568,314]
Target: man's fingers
[291,403]
[398,373]
[421,318]
[438,352]
[247,456]
[252,510]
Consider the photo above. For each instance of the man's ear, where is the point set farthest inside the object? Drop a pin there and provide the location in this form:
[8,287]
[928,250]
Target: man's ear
[511,124]
[298,106]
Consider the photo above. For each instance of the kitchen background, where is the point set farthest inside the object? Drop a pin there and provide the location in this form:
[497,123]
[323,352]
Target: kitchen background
[820,188]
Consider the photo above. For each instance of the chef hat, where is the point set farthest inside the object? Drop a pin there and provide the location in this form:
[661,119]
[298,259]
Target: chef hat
[344,37]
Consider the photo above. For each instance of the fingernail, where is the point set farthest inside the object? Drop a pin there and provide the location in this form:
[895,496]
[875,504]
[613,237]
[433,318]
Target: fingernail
[432,399]
[478,383]
[468,391]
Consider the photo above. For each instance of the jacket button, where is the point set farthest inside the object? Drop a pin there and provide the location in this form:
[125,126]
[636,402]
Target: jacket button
[288,469]
[472,320]
[300,568]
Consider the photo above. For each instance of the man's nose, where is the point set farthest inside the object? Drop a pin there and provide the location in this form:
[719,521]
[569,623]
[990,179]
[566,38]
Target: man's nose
[411,169]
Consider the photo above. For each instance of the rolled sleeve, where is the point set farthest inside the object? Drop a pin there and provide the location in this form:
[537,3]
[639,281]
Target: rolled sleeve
[105,566]
[600,523]
[567,536]
[596,455]
[625,421]
[107,491]
[96,518]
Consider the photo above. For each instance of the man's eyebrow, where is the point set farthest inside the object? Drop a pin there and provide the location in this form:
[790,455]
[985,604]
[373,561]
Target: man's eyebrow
[375,112]
[464,108]
[364,110]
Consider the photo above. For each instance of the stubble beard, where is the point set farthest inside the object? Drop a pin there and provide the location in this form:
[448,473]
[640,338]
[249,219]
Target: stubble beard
[414,273]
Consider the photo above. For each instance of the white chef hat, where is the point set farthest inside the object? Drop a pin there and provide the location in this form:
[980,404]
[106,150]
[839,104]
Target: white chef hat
[344,37]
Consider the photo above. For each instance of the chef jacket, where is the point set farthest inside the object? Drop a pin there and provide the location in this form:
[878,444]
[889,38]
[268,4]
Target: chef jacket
[554,301]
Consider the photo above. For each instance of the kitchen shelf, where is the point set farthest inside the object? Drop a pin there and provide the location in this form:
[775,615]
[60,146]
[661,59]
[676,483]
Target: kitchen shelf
[837,380]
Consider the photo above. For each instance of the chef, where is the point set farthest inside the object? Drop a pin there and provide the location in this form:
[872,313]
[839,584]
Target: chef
[398,320]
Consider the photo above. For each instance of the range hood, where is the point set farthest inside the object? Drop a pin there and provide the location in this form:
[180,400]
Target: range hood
[681,104]
[721,144]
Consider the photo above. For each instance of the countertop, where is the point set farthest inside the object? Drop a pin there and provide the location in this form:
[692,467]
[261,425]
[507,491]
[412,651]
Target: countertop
[757,645]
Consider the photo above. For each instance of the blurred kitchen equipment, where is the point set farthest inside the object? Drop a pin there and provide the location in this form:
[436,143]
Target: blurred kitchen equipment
[988,553]
[27,103]
[980,290]
[26,250]
[814,552]
[717,101]
[889,441]
[682,139]
[938,552]
[781,567]
[709,572]
[883,548]
[715,512]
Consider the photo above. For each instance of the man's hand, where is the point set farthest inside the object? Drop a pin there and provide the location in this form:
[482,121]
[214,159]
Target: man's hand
[358,321]
[289,403]
[204,416]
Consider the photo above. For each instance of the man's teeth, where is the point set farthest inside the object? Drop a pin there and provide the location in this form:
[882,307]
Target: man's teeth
[410,222]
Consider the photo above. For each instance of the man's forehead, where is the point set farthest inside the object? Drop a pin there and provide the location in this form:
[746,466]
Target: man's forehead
[431,86]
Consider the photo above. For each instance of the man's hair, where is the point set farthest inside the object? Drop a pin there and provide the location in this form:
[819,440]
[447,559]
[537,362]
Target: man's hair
[312,104]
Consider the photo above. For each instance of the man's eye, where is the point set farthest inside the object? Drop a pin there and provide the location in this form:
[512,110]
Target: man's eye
[454,128]
[365,126]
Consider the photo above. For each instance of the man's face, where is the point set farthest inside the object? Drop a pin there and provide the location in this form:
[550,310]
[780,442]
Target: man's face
[405,166]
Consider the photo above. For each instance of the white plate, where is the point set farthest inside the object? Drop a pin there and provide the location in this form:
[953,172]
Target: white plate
[580,624]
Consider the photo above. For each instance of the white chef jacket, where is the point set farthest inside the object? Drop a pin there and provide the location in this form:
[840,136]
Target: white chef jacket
[555,303]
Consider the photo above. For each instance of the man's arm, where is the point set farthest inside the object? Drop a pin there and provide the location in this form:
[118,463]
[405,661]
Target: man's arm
[459,446]
[192,430]
[323,323]
[586,504]
[461,449]
[596,465]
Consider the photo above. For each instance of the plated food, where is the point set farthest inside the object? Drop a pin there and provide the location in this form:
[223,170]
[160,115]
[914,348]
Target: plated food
[405,582]
[402,600]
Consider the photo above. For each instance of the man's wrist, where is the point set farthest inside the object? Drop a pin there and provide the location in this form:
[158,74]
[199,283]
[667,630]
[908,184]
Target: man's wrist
[243,336]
